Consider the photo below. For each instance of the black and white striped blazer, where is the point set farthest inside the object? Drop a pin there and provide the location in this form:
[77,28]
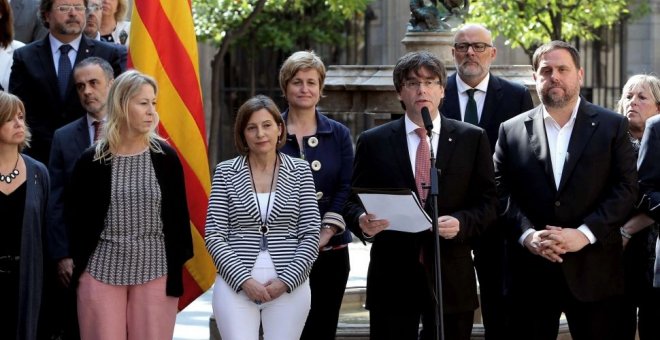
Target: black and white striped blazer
[233,221]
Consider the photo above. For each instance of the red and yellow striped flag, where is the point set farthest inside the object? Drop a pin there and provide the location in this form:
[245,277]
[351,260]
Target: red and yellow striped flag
[163,45]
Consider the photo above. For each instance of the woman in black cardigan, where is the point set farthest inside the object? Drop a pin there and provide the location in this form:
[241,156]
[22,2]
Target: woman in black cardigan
[130,225]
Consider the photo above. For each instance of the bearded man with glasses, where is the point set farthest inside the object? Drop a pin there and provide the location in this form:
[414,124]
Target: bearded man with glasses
[476,96]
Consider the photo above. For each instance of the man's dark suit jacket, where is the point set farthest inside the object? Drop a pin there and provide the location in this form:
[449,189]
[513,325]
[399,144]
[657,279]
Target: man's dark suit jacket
[597,188]
[504,100]
[27,25]
[34,81]
[69,142]
[467,192]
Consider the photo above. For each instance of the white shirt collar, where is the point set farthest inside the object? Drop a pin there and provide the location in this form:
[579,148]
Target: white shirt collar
[461,86]
[55,44]
[546,114]
[411,126]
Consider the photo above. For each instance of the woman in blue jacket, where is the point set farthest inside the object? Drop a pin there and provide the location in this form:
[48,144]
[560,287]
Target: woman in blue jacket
[326,145]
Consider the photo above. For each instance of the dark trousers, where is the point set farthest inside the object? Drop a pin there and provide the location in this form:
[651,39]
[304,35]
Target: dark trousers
[491,264]
[327,282]
[59,316]
[401,320]
[642,303]
[537,311]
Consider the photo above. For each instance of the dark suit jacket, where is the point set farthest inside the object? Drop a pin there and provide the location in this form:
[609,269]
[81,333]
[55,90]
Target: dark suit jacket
[598,188]
[504,100]
[34,81]
[69,142]
[87,200]
[27,25]
[649,169]
[467,192]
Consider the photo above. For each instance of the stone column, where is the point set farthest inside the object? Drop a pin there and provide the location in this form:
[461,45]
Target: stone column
[438,43]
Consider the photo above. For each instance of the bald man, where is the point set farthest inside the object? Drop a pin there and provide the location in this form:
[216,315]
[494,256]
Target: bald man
[493,101]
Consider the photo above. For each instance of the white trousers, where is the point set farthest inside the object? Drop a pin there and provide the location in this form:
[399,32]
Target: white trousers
[238,317]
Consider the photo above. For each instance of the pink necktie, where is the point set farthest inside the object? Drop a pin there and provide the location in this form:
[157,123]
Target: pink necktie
[422,165]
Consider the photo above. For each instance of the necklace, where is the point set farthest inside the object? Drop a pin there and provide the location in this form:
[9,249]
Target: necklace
[263,244]
[12,175]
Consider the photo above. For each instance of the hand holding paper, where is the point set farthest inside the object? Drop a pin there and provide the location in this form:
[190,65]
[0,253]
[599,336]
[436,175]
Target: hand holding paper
[398,208]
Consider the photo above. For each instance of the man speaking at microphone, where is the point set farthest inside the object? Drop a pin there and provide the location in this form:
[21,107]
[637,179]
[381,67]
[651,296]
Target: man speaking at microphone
[400,280]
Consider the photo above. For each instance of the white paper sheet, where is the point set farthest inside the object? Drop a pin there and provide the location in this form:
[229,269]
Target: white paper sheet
[403,210]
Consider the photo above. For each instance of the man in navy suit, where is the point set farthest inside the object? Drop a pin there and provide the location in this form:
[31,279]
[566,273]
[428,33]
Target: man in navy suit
[495,100]
[93,77]
[567,170]
[34,76]
[401,265]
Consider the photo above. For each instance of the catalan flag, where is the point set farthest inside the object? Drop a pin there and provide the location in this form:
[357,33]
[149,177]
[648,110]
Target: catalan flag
[163,45]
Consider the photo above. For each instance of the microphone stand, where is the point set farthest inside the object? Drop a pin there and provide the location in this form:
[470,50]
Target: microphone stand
[433,195]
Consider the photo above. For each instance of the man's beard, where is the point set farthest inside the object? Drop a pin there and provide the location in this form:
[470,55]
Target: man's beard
[473,70]
[557,101]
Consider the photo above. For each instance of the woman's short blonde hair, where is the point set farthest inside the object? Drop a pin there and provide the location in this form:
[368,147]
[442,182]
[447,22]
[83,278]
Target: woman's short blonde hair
[647,80]
[245,112]
[301,60]
[10,106]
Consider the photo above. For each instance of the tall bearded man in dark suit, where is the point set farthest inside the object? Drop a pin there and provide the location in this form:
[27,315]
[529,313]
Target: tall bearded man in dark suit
[399,280]
[51,101]
[476,96]
[568,172]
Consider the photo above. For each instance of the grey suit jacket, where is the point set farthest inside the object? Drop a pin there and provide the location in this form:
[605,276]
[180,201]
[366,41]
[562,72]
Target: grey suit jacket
[649,179]
[27,25]
[597,188]
[32,258]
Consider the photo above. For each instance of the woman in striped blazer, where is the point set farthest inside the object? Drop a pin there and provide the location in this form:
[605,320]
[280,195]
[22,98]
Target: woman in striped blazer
[262,230]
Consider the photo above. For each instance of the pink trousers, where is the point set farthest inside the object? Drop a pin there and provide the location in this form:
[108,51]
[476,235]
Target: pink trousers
[139,312]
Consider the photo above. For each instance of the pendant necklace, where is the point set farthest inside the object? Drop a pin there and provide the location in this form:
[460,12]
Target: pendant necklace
[12,175]
[263,244]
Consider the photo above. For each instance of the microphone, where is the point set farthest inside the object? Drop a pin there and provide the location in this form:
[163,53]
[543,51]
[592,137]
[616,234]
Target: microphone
[426,117]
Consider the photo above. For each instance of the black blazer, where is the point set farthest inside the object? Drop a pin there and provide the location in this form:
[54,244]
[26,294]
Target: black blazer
[87,200]
[504,100]
[34,81]
[597,188]
[467,192]
[69,143]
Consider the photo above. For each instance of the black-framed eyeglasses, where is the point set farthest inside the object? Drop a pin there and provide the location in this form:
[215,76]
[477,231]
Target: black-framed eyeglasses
[477,47]
[415,84]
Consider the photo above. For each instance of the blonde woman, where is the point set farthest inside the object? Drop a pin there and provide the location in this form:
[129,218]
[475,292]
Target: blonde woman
[640,101]
[114,27]
[130,225]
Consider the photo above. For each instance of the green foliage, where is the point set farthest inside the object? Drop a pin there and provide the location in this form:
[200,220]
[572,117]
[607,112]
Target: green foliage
[282,24]
[530,23]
